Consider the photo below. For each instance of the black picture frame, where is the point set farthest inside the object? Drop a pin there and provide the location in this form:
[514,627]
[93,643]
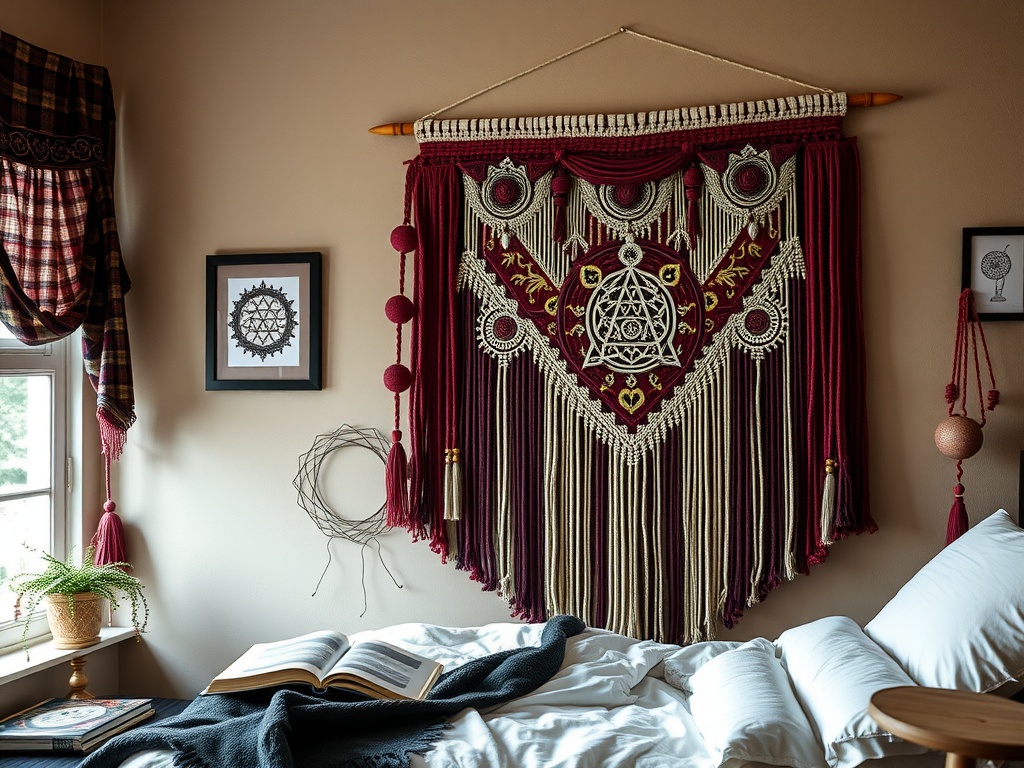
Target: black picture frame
[263,321]
[993,268]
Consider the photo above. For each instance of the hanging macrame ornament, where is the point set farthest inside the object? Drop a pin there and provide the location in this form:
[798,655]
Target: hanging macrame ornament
[399,309]
[959,436]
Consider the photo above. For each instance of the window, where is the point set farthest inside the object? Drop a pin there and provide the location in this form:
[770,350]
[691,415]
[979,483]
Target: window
[33,463]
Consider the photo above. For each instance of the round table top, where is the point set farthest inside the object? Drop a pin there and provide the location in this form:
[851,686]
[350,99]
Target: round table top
[961,722]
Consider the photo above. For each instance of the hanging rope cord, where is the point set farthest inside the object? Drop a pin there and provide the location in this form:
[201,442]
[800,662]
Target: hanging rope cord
[361,531]
[965,351]
[621,31]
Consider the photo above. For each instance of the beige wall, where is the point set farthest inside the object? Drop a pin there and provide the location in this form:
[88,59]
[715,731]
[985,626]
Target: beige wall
[243,128]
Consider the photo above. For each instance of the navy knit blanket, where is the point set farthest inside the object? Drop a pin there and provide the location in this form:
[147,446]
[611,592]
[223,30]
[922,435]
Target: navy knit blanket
[289,728]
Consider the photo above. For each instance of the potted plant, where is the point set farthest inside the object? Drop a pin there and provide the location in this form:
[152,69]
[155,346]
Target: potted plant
[73,596]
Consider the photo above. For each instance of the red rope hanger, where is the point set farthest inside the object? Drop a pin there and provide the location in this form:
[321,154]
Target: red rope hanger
[959,436]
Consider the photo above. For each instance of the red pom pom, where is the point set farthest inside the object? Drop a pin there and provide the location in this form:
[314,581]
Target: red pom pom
[693,176]
[399,309]
[397,378]
[404,238]
[109,506]
[560,184]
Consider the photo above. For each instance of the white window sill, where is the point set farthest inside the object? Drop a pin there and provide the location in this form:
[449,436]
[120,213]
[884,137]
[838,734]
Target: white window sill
[13,665]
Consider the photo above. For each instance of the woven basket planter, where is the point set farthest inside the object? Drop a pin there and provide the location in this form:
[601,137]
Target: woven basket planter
[78,628]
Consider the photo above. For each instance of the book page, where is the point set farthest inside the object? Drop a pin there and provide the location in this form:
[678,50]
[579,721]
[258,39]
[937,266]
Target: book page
[389,667]
[315,652]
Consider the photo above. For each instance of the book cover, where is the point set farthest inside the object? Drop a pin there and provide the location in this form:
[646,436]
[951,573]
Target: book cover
[68,724]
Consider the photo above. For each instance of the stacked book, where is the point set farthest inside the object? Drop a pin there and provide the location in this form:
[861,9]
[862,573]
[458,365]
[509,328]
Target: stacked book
[70,725]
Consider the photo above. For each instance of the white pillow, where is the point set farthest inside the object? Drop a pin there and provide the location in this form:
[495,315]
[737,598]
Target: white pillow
[681,665]
[959,622]
[835,668]
[745,709]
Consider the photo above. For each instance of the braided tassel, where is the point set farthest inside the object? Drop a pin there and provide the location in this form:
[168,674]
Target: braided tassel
[452,485]
[828,502]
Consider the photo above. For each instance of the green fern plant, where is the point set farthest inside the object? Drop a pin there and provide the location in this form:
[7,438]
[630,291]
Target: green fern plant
[64,577]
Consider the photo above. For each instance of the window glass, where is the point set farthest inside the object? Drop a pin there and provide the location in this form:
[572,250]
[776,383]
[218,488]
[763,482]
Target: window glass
[32,463]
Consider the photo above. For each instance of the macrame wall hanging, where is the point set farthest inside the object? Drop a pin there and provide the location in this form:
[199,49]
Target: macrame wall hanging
[636,390]
[959,435]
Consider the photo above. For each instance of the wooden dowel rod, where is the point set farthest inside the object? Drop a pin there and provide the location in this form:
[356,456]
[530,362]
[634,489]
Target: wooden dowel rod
[853,100]
[871,99]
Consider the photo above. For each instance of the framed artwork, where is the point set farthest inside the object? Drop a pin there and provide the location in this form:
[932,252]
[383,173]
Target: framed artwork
[263,321]
[994,269]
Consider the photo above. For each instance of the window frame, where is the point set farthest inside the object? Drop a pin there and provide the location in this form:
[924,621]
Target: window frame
[53,359]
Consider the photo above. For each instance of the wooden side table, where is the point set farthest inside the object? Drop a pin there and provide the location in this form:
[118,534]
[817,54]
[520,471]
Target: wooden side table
[964,725]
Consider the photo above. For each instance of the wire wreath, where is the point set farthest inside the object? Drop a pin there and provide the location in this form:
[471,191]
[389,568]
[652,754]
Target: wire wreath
[361,531]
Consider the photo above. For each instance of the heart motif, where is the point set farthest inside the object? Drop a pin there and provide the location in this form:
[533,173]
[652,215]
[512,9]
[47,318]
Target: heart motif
[631,399]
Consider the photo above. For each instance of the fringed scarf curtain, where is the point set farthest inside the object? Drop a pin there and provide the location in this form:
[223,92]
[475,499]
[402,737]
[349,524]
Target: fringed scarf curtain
[637,355]
[60,259]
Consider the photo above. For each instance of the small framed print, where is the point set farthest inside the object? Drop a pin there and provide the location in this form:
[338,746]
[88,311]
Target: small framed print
[994,270]
[263,321]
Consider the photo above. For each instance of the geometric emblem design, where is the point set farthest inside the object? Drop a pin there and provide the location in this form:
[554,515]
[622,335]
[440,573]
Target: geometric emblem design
[262,321]
[631,319]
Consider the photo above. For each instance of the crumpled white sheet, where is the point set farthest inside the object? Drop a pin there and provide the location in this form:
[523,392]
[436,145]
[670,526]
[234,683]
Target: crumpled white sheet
[609,705]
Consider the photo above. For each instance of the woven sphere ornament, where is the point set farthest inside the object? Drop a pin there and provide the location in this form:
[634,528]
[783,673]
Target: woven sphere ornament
[397,378]
[404,238]
[399,309]
[959,437]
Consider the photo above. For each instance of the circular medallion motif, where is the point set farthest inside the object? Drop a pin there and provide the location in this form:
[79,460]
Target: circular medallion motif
[501,332]
[263,321]
[507,190]
[761,326]
[628,202]
[750,179]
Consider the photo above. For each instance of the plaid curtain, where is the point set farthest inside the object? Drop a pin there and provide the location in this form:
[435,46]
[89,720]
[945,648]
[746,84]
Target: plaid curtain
[60,260]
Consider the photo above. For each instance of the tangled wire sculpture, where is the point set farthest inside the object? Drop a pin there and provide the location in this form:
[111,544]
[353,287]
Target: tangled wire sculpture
[361,531]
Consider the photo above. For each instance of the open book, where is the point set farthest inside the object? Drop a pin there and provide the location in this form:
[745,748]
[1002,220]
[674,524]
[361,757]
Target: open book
[326,659]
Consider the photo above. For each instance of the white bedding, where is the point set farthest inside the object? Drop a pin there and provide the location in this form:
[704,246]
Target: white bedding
[611,705]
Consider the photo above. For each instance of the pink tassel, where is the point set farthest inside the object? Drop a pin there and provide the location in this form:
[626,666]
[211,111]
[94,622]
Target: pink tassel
[397,486]
[108,541]
[109,537]
[958,522]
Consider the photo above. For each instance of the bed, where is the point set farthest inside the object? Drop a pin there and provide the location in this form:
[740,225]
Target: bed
[798,700]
